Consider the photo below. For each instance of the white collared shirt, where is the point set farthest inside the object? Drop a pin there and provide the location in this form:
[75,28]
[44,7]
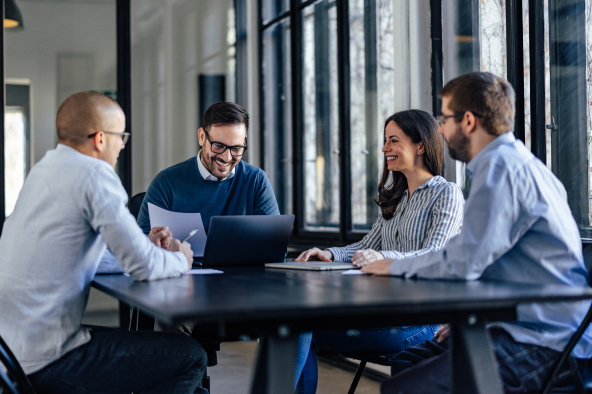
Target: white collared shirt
[208,175]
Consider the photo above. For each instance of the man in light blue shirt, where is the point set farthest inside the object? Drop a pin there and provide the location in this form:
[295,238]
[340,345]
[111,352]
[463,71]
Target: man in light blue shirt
[70,209]
[517,228]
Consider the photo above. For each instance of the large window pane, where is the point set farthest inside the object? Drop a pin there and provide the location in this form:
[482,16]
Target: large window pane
[570,56]
[474,39]
[371,100]
[320,107]
[273,8]
[277,112]
[15,145]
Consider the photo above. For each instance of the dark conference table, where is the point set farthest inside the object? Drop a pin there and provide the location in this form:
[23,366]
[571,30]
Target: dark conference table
[277,304]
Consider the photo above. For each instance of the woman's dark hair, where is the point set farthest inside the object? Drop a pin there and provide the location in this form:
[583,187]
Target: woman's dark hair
[419,126]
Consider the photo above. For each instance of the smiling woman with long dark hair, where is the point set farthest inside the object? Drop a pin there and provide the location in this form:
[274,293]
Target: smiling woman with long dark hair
[419,212]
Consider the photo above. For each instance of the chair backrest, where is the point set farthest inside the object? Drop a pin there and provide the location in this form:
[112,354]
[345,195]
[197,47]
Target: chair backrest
[12,376]
[575,338]
[135,203]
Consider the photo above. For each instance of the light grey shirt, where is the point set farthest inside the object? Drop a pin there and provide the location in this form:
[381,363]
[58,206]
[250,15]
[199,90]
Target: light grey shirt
[70,207]
[208,175]
[517,228]
[421,224]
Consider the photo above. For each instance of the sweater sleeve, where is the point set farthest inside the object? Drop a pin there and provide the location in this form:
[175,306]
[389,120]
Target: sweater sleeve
[265,202]
[159,194]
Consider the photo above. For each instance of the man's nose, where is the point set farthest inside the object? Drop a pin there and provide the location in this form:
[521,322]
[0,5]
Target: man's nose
[226,156]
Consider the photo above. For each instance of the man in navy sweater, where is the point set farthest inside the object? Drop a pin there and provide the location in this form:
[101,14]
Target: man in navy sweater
[216,182]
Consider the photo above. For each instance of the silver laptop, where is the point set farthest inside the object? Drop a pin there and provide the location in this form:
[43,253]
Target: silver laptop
[312,265]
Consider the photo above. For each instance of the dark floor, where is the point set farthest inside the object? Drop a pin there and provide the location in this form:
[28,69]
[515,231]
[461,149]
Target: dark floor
[232,375]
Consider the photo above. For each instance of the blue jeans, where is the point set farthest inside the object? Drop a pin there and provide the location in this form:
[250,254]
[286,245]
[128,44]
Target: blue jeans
[384,340]
[117,361]
[425,369]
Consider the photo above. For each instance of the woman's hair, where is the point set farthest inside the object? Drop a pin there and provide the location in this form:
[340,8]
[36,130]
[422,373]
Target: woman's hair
[419,126]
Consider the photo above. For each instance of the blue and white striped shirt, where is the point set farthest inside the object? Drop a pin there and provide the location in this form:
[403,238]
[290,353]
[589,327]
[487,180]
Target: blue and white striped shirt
[421,224]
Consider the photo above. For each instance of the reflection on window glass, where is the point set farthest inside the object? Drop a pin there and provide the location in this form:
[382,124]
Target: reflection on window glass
[474,39]
[277,133]
[570,40]
[273,8]
[15,145]
[371,100]
[320,107]
[231,51]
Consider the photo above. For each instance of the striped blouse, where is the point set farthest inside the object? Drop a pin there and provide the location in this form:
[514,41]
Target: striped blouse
[421,224]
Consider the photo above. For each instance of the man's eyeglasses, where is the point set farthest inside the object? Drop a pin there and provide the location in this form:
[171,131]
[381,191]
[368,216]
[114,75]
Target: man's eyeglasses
[219,148]
[124,136]
[442,118]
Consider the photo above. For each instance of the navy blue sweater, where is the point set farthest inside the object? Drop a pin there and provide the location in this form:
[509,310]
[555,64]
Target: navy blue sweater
[181,188]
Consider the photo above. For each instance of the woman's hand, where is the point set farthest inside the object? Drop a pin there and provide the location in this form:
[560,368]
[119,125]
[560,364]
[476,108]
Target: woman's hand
[443,334]
[365,257]
[380,267]
[315,254]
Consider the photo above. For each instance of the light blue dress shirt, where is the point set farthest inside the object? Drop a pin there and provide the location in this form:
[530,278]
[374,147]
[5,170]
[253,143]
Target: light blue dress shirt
[517,228]
[421,224]
[70,208]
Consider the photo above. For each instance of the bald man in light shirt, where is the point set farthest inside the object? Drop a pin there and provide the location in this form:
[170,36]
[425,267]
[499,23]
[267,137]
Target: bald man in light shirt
[70,209]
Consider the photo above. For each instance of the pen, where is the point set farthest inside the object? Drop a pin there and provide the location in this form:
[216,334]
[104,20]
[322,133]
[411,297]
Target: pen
[191,234]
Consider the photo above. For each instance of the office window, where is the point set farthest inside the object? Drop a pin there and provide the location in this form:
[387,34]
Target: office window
[321,124]
[371,57]
[570,59]
[15,154]
[277,99]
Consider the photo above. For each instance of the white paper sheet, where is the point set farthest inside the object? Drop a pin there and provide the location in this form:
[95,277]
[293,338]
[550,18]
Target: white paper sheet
[354,272]
[203,271]
[180,224]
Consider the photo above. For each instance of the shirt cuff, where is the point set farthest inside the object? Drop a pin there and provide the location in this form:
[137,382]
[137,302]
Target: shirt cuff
[392,254]
[338,255]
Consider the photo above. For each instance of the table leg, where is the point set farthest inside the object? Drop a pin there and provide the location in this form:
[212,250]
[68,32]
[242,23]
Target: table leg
[473,365]
[275,365]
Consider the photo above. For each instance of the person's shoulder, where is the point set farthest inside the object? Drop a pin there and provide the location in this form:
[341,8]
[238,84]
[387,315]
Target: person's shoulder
[250,171]
[178,170]
[444,188]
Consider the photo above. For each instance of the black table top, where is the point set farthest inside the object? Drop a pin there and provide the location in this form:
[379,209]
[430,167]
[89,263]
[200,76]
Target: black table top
[311,299]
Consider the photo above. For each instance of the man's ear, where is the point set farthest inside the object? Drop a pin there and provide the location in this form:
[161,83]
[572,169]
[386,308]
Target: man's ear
[98,141]
[201,136]
[469,123]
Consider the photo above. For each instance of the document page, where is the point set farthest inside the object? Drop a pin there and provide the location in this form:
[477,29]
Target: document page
[180,224]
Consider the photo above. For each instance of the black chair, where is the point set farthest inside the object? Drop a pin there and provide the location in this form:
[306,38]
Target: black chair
[14,380]
[575,381]
[144,322]
[364,358]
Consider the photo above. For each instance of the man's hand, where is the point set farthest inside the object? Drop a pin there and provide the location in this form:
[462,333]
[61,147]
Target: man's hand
[365,257]
[380,267]
[443,334]
[315,254]
[161,236]
[185,247]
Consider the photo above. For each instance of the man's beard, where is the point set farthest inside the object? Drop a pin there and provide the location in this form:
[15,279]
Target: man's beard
[458,146]
[210,165]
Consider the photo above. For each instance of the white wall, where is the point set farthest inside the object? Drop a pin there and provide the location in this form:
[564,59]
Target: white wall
[173,41]
[54,29]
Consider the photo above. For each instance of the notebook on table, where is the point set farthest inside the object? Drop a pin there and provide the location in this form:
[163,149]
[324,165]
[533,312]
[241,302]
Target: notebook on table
[312,265]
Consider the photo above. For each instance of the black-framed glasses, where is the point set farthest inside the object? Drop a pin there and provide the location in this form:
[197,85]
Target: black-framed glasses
[442,118]
[219,148]
[124,136]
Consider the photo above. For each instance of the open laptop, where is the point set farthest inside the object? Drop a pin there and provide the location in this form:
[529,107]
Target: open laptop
[312,265]
[246,239]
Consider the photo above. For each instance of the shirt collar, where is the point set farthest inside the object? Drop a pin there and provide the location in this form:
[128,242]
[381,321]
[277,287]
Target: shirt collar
[208,175]
[506,138]
[433,181]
